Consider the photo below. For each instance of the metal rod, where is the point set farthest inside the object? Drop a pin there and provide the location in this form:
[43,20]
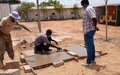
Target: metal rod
[106,22]
[9,6]
[39,22]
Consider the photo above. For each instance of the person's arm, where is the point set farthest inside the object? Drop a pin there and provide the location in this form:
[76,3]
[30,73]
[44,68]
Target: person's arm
[95,23]
[45,39]
[51,45]
[54,41]
[21,25]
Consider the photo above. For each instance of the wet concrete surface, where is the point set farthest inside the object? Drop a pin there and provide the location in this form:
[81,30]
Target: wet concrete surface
[81,51]
[38,60]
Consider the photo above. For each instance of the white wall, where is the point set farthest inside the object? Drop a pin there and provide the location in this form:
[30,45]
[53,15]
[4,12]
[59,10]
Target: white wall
[4,10]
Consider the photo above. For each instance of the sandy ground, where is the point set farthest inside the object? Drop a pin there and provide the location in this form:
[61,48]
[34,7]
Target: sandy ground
[70,32]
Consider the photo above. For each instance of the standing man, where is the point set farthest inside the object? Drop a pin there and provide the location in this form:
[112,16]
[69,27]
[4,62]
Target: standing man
[43,42]
[6,26]
[89,28]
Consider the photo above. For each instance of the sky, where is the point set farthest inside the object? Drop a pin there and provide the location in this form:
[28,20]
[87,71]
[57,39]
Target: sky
[72,2]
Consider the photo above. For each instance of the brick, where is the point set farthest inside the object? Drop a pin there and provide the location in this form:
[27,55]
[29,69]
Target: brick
[12,64]
[22,58]
[10,72]
[27,68]
[104,54]
[72,53]
[83,45]
[58,63]
[99,51]
[65,50]
[76,59]
[97,54]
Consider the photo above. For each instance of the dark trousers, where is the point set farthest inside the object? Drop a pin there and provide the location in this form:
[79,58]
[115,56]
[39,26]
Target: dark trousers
[42,47]
[89,44]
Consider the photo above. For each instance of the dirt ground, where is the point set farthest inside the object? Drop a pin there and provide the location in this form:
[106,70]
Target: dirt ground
[69,32]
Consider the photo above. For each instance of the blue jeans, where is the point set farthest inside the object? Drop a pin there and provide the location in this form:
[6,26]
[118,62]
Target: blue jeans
[89,44]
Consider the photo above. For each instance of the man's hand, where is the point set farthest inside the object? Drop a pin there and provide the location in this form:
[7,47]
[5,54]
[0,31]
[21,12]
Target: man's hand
[97,29]
[58,48]
[56,43]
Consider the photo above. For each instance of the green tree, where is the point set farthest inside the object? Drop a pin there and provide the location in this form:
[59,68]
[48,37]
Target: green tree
[58,7]
[24,8]
[55,3]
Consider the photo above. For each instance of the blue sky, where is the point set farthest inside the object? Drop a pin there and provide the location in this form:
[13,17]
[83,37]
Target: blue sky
[72,2]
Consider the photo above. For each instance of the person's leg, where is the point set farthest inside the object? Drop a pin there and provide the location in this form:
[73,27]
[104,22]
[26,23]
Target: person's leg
[88,48]
[93,46]
[9,47]
[46,48]
[38,49]
[2,50]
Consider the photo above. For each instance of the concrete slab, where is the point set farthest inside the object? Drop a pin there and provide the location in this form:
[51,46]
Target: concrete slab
[28,53]
[81,51]
[37,61]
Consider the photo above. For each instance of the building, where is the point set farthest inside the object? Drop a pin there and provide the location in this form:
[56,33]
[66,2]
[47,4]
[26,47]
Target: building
[50,13]
[113,14]
[5,7]
[4,10]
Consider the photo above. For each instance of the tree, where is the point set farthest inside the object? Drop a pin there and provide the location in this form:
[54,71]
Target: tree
[56,4]
[58,7]
[24,8]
